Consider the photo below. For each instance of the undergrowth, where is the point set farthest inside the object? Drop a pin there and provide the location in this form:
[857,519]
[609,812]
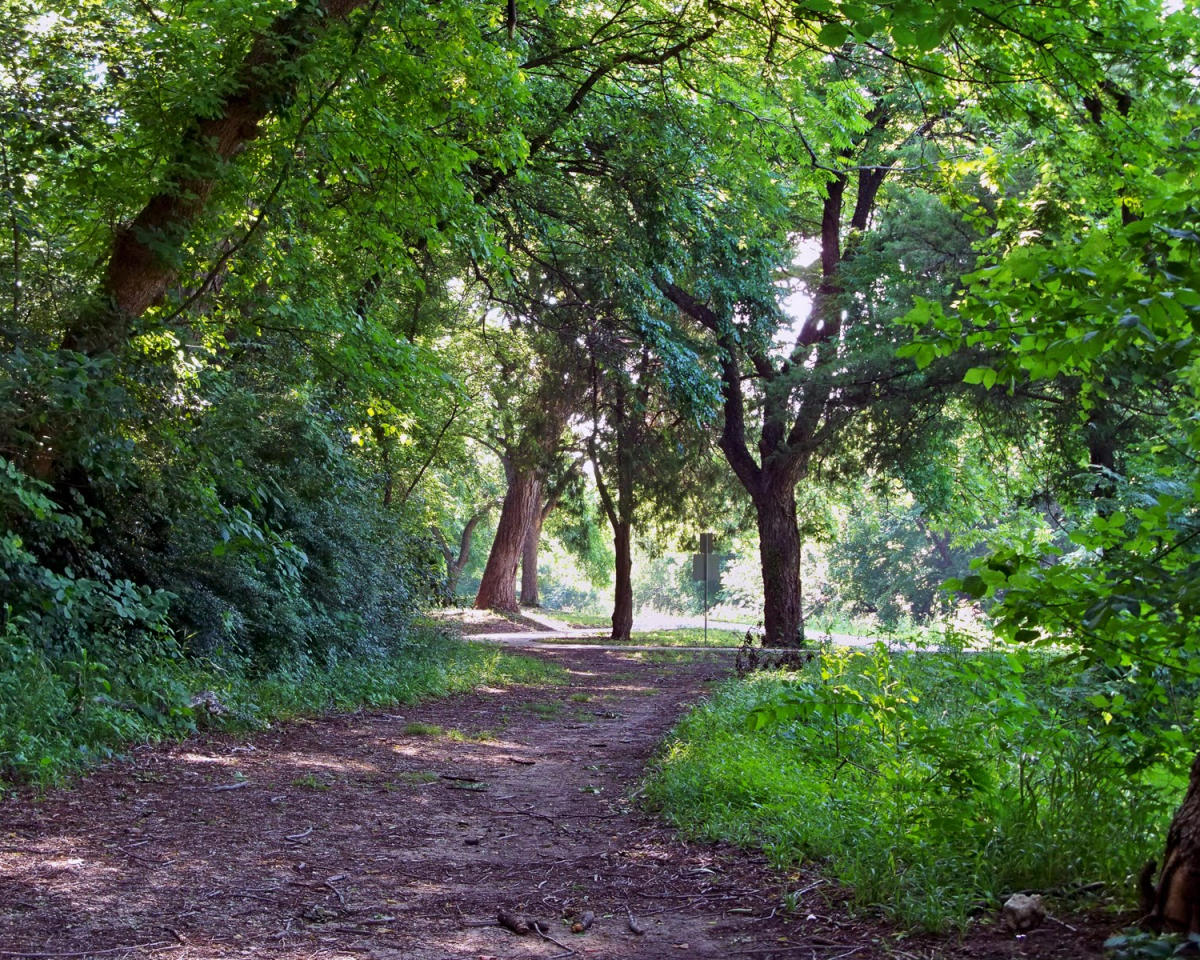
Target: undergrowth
[61,714]
[932,785]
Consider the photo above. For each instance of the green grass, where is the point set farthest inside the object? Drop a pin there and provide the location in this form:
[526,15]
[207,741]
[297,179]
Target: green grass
[931,785]
[416,778]
[311,782]
[419,729]
[477,736]
[680,637]
[582,619]
[665,657]
[543,709]
[60,717]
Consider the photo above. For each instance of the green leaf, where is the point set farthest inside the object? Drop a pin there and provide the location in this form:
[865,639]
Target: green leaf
[833,34]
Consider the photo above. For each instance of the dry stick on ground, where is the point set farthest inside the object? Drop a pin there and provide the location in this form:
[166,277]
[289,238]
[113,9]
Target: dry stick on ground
[536,927]
[634,926]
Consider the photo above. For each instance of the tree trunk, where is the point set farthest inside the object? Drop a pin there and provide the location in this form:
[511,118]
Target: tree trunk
[142,265]
[529,560]
[1174,904]
[779,549]
[455,566]
[622,616]
[497,589]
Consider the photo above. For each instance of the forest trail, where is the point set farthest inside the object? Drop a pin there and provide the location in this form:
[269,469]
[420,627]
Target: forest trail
[399,836]
[370,836]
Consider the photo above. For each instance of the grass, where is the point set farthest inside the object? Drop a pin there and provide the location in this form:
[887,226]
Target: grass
[57,719]
[419,729]
[543,709]
[666,657]
[680,637]
[416,778]
[582,619]
[479,736]
[932,785]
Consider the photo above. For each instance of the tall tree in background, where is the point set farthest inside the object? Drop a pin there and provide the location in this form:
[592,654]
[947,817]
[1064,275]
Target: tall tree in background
[529,437]
[807,395]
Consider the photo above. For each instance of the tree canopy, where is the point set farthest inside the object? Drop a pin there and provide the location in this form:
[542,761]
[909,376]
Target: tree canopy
[296,293]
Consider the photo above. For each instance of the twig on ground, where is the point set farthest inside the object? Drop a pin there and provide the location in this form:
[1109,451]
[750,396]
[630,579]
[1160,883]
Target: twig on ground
[231,786]
[1061,923]
[140,859]
[301,835]
[341,899]
[536,927]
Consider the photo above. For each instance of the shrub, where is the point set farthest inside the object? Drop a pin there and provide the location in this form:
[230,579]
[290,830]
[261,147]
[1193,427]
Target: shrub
[935,784]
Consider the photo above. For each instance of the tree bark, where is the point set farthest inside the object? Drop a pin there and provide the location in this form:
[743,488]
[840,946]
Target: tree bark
[779,550]
[497,588]
[529,559]
[1174,903]
[622,615]
[456,565]
[143,260]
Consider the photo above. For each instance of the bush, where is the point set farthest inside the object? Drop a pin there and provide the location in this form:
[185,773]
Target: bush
[934,784]
[61,715]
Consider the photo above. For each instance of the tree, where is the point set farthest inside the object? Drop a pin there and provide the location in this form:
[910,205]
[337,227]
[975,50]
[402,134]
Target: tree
[529,438]
[807,396]
[1096,297]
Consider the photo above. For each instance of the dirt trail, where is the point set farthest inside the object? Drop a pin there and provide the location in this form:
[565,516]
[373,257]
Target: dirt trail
[364,836]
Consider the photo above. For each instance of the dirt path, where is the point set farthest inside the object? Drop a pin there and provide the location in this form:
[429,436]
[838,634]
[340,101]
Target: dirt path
[370,836]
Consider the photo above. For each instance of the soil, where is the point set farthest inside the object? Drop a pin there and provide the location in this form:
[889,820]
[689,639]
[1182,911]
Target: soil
[401,836]
[480,622]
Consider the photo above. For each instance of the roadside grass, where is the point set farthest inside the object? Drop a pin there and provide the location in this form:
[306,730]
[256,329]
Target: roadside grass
[932,785]
[667,657]
[60,718]
[679,637]
[582,619]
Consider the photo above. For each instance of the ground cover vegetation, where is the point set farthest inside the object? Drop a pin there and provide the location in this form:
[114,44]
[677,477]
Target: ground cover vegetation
[307,302]
[932,785]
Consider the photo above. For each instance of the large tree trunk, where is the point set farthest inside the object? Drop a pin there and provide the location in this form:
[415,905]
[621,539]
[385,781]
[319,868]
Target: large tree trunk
[497,589]
[779,549]
[143,261]
[529,560]
[1174,904]
[622,616]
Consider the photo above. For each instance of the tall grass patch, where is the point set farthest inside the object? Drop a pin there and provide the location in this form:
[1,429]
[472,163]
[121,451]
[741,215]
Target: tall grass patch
[933,785]
[63,711]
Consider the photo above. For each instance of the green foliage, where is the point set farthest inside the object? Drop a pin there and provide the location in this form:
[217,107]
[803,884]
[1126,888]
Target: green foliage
[1105,319]
[61,713]
[890,562]
[1142,945]
[934,784]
